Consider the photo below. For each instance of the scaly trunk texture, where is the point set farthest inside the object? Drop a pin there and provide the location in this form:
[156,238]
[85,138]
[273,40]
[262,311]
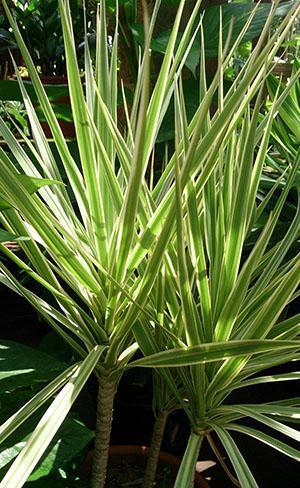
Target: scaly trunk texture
[106,394]
[157,436]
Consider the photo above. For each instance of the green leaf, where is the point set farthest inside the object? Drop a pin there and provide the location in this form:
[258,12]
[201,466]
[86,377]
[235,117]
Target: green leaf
[8,236]
[71,439]
[15,399]
[10,90]
[50,423]
[97,228]
[52,344]
[256,414]
[23,366]
[241,468]
[9,453]
[34,184]
[31,184]
[211,352]
[191,93]
[71,168]
[62,112]
[160,43]
[266,379]
[187,467]
[240,12]
[267,439]
[107,248]
[211,27]
[288,111]
[45,223]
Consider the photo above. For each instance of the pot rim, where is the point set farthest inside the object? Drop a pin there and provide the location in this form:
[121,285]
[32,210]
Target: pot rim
[124,450]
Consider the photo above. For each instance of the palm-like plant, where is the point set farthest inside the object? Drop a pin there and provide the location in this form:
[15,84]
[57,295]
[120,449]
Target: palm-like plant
[226,297]
[81,238]
[104,244]
[264,284]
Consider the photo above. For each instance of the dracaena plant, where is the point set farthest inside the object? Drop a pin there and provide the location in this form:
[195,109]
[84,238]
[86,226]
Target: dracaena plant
[79,237]
[224,296]
[207,312]
[102,241]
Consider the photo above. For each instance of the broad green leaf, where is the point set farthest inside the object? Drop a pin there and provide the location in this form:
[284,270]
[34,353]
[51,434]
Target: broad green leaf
[50,423]
[23,366]
[159,44]
[68,443]
[240,11]
[10,90]
[211,28]
[10,453]
[71,439]
[32,405]
[31,185]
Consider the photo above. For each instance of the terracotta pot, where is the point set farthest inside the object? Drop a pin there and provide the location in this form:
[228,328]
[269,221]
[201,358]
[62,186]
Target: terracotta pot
[137,455]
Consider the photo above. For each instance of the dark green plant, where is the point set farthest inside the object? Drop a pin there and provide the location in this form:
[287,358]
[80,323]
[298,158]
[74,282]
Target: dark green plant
[24,372]
[14,115]
[40,25]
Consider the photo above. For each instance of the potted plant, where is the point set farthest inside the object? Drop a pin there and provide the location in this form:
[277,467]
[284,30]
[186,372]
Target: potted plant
[249,308]
[103,245]
[226,297]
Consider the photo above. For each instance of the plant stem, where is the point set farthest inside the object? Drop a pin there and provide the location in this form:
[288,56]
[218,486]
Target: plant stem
[186,473]
[221,460]
[106,394]
[157,436]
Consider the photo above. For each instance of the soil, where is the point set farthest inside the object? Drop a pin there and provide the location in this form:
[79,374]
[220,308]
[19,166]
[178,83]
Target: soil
[127,475]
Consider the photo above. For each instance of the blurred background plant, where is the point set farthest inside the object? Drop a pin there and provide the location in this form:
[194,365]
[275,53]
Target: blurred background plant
[39,23]
[15,116]
[24,372]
